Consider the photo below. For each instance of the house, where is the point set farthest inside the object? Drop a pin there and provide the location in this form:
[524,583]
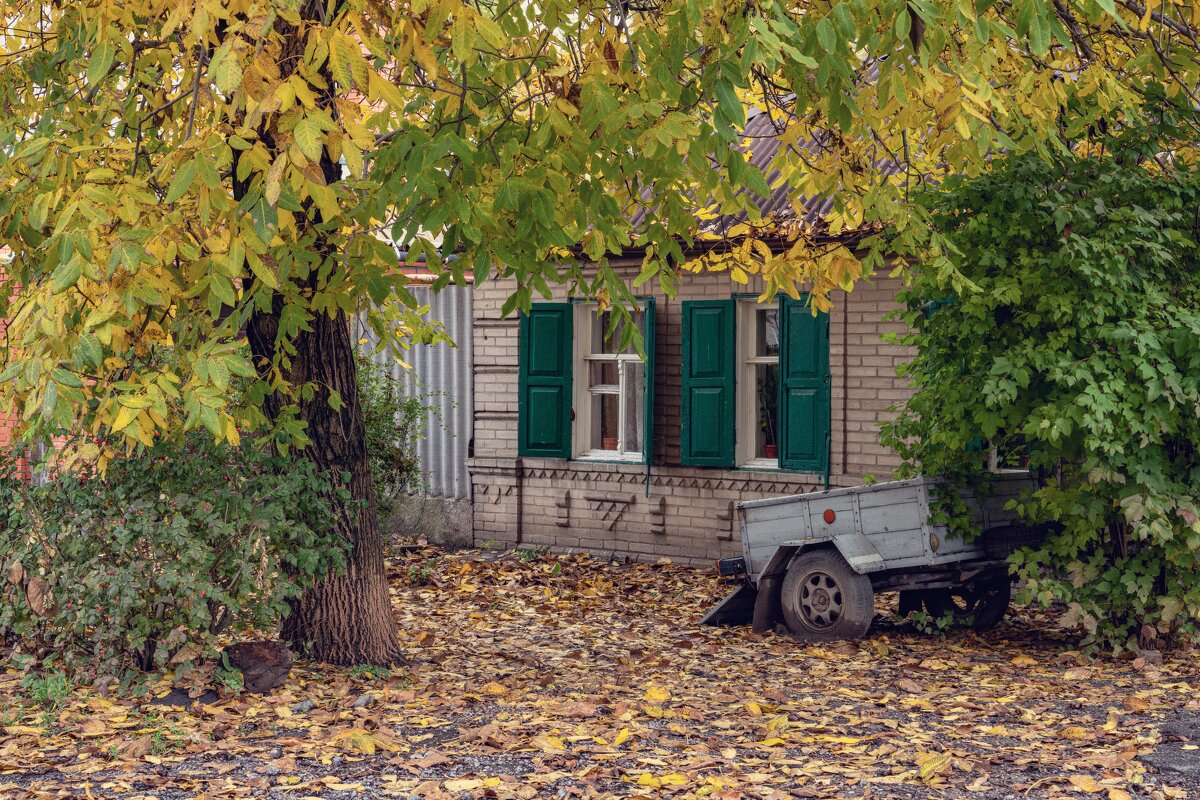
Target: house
[439,375]
[577,445]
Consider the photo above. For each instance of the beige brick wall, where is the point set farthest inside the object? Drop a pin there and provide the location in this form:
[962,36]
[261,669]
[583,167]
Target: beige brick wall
[681,512]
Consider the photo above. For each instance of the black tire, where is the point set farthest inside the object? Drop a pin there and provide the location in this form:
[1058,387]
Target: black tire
[824,600]
[981,605]
[911,600]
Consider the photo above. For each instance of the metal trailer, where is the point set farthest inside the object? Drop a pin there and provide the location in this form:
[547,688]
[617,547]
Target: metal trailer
[815,561]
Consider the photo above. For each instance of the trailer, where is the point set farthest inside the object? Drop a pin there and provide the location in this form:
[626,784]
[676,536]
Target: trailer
[814,562]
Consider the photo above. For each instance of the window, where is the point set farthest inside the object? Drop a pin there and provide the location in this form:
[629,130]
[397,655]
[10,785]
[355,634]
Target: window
[758,384]
[609,401]
[580,394]
[755,385]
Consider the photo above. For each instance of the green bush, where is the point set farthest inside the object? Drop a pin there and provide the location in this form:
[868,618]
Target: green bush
[394,424]
[150,563]
[1072,343]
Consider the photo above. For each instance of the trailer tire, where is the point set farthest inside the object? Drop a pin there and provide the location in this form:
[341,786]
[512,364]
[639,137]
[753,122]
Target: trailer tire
[823,599]
[981,605]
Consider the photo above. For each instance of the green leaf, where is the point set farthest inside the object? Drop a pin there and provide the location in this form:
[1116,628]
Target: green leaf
[826,35]
[224,69]
[182,181]
[222,288]
[89,350]
[102,59]
[729,105]
[66,275]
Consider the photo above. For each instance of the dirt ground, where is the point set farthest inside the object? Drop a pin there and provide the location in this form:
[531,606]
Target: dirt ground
[564,677]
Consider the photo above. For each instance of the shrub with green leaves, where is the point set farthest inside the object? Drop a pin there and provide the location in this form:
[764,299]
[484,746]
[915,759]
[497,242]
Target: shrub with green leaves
[148,564]
[1071,342]
[394,423]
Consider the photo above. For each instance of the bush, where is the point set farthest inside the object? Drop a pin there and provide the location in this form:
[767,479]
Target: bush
[150,563]
[394,423]
[1074,348]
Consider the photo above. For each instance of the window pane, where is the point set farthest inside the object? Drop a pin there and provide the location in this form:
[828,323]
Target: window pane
[768,332]
[766,392]
[606,412]
[632,392]
[603,373]
[606,334]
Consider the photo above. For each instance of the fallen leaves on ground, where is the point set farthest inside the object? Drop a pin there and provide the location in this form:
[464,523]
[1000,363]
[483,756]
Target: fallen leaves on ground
[571,677]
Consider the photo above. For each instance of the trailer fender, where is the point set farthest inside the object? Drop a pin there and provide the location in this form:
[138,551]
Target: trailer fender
[857,549]
[767,609]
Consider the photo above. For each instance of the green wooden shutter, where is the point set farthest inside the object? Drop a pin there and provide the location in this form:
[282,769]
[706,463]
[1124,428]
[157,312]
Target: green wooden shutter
[648,389]
[544,386]
[707,435]
[803,387]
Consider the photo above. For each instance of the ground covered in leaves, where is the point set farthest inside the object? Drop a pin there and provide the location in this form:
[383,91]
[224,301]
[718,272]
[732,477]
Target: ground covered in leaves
[568,677]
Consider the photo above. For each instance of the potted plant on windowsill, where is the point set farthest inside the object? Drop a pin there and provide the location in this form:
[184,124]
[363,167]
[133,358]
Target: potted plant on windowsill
[608,442]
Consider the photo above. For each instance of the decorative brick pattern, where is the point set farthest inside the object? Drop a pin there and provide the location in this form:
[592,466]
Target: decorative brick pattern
[667,509]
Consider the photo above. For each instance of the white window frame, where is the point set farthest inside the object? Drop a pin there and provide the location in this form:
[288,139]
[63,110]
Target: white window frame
[585,322]
[746,411]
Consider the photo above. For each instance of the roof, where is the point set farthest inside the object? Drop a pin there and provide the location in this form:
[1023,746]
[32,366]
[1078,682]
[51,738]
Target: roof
[783,207]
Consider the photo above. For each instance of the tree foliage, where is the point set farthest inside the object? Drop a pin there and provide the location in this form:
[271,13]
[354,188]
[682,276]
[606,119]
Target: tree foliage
[163,173]
[1076,347]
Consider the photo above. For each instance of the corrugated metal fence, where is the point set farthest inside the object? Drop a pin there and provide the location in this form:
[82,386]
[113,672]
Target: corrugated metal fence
[441,377]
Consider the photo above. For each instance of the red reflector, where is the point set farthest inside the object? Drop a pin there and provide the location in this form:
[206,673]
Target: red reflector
[830,516]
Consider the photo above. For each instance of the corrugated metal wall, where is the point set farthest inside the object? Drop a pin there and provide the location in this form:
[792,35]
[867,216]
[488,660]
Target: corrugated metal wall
[441,377]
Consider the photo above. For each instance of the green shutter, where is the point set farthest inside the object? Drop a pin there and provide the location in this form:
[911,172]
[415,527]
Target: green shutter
[648,389]
[707,435]
[544,387]
[803,387]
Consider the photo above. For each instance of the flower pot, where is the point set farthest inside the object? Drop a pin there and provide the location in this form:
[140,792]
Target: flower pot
[608,443]
[771,451]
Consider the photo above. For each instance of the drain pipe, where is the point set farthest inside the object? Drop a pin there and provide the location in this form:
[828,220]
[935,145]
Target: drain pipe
[520,478]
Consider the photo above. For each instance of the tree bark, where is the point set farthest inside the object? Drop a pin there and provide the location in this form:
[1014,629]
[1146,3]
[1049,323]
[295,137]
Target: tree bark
[346,618]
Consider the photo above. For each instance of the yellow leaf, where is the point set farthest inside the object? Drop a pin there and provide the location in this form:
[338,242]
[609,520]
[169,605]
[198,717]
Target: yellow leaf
[1074,733]
[931,764]
[548,743]
[622,737]
[463,785]
[648,780]
[774,741]
[1119,794]
[1086,782]
[656,694]
[125,415]
[494,688]
[357,741]
[1023,661]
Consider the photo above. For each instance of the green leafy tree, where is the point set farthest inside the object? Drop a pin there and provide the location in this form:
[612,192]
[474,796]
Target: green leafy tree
[1072,340]
[223,176]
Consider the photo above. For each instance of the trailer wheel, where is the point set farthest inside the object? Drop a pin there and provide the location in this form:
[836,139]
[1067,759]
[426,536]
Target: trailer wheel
[824,600]
[981,605]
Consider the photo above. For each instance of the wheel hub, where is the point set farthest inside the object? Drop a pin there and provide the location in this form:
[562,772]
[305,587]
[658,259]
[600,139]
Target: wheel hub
[821,599]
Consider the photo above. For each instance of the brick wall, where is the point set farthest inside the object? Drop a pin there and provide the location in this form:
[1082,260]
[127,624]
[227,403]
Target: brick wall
[8,416]
[676,511]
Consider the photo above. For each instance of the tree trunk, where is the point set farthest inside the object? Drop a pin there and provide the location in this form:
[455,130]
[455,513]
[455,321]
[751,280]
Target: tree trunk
[347,617]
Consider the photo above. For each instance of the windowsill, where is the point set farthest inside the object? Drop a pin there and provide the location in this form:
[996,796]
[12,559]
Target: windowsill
[761,463]
[610,456]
